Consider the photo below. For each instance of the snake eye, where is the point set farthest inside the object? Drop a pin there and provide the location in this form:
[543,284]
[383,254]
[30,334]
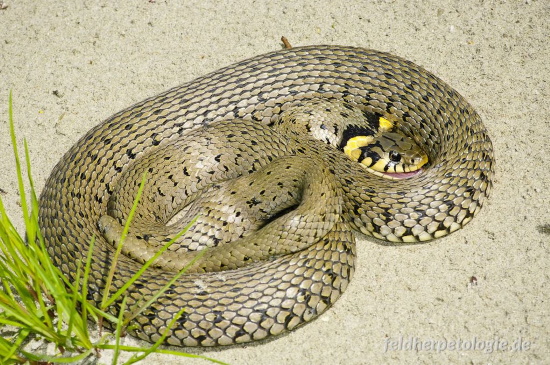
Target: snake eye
[395,156]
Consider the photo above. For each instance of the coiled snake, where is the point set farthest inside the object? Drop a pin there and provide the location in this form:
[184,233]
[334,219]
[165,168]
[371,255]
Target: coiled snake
[276,207]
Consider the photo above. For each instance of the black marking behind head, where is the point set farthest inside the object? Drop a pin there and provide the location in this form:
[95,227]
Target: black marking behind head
[367,151]
[373,120]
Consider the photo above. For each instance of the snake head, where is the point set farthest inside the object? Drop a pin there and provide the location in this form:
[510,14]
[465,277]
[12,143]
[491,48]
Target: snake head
[390,155]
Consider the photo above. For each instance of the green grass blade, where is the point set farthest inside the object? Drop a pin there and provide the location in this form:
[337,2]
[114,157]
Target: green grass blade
[105,301]
[17,162]
[118,330]
[166,352]
[84,295]
[159,342]
[73,315]
[151,261]
[45,359]
[145,305]
[9,349]
[38,300]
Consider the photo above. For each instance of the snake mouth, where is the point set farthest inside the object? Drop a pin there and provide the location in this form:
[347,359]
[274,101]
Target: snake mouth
[402,175]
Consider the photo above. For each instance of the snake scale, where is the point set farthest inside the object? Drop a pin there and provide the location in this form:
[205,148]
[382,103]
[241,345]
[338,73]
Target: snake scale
[277,208]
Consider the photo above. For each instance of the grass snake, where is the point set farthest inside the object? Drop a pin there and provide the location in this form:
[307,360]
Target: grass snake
[277,208]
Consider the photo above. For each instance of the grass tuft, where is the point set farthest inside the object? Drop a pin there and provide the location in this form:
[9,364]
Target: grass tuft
[37,302]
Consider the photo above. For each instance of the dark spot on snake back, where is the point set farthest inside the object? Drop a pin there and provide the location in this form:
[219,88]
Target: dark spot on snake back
[252,202]
[182,319]
[348,106]
[130,154]
[326,299]
[219,316]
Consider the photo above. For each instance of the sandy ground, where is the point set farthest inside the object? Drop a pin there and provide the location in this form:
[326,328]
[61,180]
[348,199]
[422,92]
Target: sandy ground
[71,64]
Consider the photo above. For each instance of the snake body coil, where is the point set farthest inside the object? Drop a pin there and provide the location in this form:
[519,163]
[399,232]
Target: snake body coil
[277,208]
